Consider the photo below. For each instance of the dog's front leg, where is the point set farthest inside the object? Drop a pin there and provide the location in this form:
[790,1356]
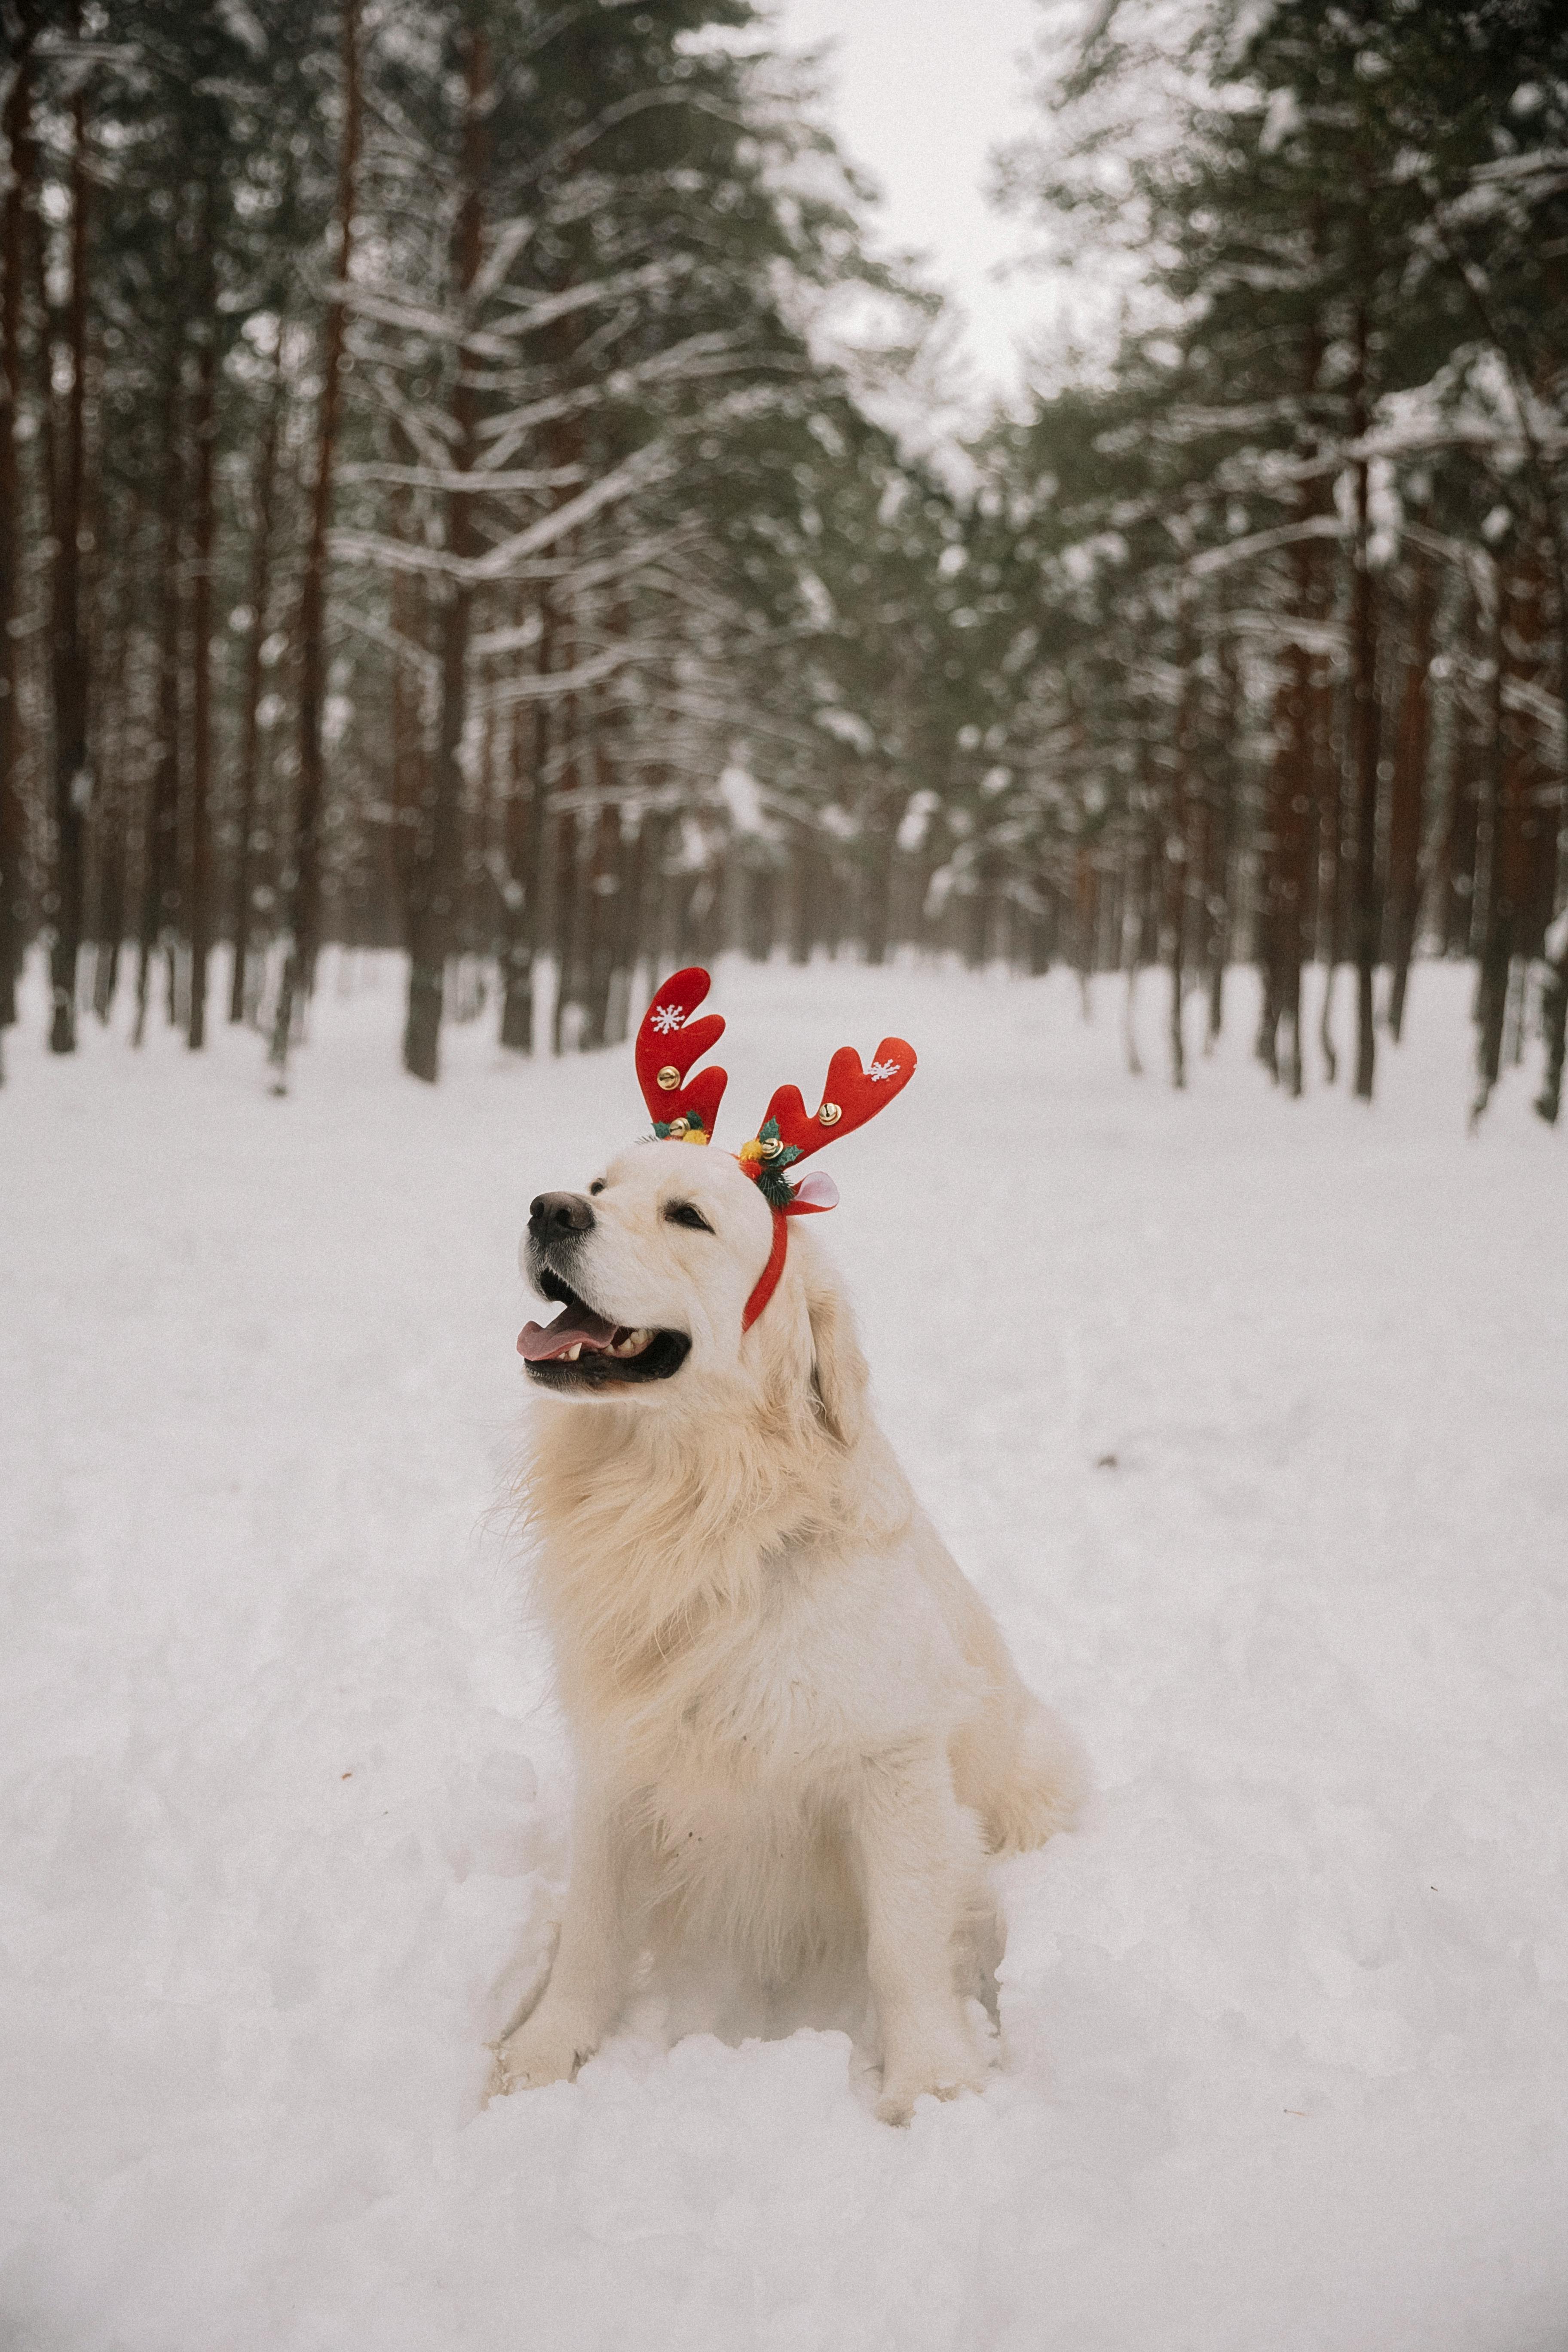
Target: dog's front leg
[588,1980]
[919,1859]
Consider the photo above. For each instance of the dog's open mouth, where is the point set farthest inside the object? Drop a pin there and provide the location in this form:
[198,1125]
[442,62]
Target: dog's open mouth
[581,1349]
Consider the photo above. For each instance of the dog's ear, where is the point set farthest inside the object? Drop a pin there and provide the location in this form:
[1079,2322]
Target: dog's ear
[838,1372]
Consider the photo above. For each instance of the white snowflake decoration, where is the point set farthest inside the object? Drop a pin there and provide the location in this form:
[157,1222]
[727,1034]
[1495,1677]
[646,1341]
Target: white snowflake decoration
[884,1069]
[666,1017]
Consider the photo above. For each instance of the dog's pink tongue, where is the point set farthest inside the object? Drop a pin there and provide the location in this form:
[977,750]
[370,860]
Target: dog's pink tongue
[539,1343]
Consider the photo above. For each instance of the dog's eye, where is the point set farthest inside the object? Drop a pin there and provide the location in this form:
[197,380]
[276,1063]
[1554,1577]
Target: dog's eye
[681,1213]
[597,1185]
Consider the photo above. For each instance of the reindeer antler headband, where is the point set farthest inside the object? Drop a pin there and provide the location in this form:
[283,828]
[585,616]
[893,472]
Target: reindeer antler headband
[684,1108]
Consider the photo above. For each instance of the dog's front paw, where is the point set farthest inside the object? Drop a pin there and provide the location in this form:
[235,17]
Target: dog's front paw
[544,2050]
[943,2070]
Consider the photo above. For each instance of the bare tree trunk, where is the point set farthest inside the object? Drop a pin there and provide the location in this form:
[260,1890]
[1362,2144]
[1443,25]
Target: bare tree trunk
[1219,822]
[1466,770]
[525,833]
[199,910]
[877,847]
[652,840]
[113,811]
[807,885]
[160,861]
[1290,842]
[1331,861]
[629,936]
[1554,1026]
[434,868]
[1408,795]
[304,891]
[409,748]
[566,910]
[1086,910]
[1514,922]
[1364,718]
[604,891]
[17,130]
[68,643]
[1495,931]
[264,498]
[1176,866]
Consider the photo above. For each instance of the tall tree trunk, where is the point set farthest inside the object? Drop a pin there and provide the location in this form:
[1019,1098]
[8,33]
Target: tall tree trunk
[1536,783]
[17,131]
[628,939]
[806,885]
[409,746]
[1515,916]
[1328,764]
[1177,869]
[68,643]
[604,892]
[525,848]
[1408,795]
[1468,763]
[160,852]
[566,900]
[653,842]
[1086,912]
[1289,877]
[1364,730]
[434,874]
[1554,1023]
[304,875]
[1219,820]
[113,803]
[1495,924]
[264,485]
[877,849]
[199,908]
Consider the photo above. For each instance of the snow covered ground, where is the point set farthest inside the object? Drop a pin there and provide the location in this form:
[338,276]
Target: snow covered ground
[1249,1418]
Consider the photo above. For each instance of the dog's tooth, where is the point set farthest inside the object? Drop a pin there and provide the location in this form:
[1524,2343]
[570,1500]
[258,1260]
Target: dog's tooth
[573,1353]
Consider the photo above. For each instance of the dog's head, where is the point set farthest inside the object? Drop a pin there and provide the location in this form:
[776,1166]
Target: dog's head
[673,1271]
[652,1266]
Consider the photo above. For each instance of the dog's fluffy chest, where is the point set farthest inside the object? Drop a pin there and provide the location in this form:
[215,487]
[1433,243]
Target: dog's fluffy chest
[768,1691]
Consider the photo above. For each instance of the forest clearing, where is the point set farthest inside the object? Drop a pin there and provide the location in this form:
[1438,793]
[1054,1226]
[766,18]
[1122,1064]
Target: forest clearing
[1247,1417]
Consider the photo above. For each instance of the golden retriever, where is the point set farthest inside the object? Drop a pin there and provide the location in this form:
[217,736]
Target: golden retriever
[797,1728]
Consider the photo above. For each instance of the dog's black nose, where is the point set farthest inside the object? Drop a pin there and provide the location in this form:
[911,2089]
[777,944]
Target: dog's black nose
[556,1216]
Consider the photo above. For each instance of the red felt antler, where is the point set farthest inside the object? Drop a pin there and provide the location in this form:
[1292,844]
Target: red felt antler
[669,1042]
[851,1096]
[790,1133]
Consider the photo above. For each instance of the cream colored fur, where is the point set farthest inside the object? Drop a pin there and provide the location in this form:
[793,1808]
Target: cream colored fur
[797,1727]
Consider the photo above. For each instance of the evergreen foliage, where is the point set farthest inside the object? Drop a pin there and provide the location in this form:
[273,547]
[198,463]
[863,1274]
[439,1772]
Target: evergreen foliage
[434,511]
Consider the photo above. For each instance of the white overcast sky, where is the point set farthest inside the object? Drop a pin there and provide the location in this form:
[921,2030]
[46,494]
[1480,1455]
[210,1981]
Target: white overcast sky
[919,92]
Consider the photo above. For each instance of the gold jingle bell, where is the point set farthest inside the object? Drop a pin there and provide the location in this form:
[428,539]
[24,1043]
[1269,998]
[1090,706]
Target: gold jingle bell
[678,1130]
[773,1147]
[670,1077]
[829,1115]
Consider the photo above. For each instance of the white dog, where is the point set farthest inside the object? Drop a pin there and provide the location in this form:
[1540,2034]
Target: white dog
[797,1728]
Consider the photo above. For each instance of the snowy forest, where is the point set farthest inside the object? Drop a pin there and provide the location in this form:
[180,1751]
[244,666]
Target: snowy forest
[470,486]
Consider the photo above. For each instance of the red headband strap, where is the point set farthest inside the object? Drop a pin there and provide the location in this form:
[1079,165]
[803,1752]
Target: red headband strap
[812,1198]
[768,1280]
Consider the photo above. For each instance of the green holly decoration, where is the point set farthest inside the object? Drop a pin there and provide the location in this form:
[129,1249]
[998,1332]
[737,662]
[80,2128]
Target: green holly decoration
[772,1182]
